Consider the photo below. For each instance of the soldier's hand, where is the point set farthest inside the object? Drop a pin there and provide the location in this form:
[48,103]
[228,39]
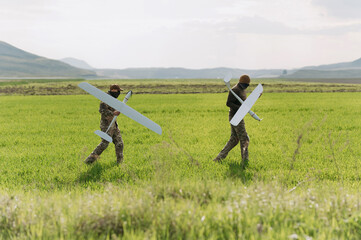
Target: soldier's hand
[116,113]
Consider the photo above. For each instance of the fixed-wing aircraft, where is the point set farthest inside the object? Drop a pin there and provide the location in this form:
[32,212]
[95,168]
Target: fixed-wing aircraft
[121,107]
[246,105]
[104,135]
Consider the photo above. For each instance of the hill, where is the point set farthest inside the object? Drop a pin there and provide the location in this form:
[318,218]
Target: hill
[336,70]
[77,63]
[337,66]
[15,62]
[310,73]
[174,73]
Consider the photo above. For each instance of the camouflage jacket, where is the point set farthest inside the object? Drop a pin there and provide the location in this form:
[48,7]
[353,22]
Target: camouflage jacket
[232,101]
[107,114]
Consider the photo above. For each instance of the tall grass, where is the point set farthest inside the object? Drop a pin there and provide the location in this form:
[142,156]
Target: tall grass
[183,210]
[302,181]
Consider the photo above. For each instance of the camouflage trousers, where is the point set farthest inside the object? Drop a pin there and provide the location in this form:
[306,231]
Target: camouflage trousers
[118,144]
[238,135]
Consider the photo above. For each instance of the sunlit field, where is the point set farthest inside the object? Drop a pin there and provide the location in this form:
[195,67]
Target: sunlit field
[302,181]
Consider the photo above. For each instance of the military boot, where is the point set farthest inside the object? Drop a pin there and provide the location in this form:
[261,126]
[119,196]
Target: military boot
[244,163]
[91,159]
[218,159]
[120,159]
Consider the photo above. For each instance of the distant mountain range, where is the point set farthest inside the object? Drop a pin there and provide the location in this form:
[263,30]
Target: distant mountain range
[321,74]
[337,70]
[338,66]
[17,63]
[77,63]
[174,73]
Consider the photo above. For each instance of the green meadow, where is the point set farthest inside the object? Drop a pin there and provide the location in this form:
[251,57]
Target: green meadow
[303,180]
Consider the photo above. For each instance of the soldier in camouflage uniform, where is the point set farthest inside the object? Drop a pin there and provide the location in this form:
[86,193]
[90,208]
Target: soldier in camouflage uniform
[238,133]
[107,114]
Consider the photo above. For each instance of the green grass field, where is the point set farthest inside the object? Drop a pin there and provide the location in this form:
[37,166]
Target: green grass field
[302,182]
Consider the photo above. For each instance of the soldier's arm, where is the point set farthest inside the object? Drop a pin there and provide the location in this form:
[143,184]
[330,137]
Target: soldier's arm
[243,95]
[232,102]
[104,110]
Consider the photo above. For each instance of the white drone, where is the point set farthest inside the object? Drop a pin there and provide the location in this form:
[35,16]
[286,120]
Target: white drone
[246,105]
[121,107]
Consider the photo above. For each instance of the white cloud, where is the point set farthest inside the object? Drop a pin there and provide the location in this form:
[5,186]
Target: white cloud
[188,33]
[345,9]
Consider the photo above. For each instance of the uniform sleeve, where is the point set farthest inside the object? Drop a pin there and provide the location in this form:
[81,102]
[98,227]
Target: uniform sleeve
[243,95]
[232,102]
[104,110]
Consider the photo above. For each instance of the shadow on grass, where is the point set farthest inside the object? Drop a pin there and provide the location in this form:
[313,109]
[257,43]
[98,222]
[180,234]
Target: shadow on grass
[94,172]
[236,170]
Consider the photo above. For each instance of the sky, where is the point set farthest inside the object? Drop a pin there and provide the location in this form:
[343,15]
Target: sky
[246,34]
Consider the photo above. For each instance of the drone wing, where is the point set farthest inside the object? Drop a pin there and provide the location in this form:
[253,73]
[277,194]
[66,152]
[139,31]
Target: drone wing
[247,105]
[121,107]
